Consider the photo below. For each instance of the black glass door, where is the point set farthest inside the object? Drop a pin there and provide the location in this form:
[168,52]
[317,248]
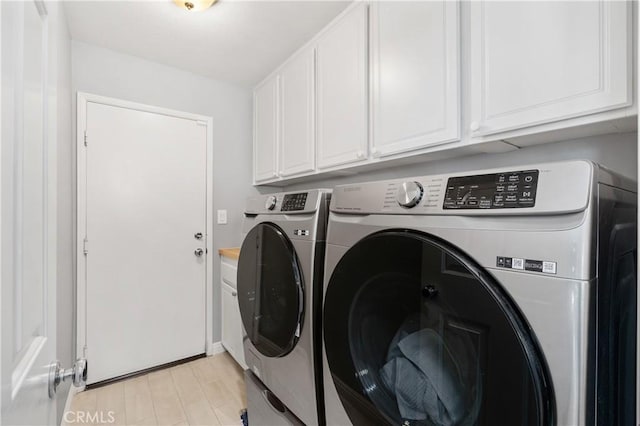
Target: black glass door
[417,334]
[270,290]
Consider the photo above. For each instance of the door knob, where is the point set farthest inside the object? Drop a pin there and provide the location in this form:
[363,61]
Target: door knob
[57,375]
[197,236]
[199,252]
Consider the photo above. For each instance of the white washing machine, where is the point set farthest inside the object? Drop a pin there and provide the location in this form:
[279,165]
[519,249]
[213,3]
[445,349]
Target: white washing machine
[493,297]
[280,296]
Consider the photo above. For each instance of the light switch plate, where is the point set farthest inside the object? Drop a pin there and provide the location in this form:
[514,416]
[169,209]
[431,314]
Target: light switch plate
[222,217]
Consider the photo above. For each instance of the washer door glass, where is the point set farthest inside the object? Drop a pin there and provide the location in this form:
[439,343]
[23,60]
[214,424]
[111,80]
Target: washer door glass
[270,290]
[416,333]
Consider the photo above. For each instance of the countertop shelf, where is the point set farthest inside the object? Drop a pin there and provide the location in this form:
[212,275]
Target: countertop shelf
[231,253]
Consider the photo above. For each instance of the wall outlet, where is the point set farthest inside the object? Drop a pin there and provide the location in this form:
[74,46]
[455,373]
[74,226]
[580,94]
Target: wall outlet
[222,217]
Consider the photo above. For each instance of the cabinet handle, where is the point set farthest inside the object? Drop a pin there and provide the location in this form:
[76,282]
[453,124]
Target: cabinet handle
[474,126]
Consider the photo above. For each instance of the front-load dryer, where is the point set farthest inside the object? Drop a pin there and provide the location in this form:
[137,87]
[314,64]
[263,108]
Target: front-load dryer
[493,297]
[280,296]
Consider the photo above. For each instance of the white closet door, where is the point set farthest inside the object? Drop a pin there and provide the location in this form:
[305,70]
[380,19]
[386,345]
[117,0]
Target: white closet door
[146,198]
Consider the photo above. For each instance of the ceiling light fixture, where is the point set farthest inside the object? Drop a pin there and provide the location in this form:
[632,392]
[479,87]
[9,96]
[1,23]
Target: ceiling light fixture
[195,5]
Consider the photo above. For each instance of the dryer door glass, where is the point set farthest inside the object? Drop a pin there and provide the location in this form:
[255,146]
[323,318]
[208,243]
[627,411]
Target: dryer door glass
[270,290]
[416,333]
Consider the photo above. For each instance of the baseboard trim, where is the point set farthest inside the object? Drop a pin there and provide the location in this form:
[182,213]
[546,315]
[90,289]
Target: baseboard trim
[217,348]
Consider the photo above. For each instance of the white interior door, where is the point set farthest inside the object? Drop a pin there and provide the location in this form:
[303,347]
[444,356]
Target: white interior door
[28,218]
[145,201]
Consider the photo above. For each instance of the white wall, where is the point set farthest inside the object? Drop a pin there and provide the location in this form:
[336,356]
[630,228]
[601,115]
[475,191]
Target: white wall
[617,152]
[108,73]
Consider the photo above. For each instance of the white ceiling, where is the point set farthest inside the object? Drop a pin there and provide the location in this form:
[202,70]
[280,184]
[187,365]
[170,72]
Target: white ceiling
[235,41]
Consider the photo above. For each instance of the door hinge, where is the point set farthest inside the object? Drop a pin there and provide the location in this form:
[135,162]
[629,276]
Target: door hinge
[85,138]
[85,246]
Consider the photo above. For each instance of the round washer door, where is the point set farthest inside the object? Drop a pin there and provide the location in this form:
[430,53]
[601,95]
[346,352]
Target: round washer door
[270,290]
[416,333]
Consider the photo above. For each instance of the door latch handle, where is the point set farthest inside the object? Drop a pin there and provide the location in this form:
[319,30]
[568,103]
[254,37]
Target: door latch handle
[197,235]
[198,252]
[57,375]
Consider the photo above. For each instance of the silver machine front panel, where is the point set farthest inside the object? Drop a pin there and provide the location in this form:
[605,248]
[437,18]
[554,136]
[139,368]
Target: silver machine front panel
[536,189]
[301,218]
[542,249]
[295,202]
[264,408]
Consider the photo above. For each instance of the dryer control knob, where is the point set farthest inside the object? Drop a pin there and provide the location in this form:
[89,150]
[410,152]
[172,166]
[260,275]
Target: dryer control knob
[409,194]
[270,204]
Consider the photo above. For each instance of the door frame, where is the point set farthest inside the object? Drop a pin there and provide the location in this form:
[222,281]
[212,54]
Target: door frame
[83,99]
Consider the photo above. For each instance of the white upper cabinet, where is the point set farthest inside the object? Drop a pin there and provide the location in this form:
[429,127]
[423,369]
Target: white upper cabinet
[386,80]
[342,90]
[265,132]
[415,51]
[539,62]
[297,102]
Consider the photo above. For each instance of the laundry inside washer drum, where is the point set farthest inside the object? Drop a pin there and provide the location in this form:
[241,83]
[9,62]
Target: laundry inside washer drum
[419,378]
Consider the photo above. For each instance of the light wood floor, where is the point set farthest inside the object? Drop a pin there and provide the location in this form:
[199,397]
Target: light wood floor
[207,391]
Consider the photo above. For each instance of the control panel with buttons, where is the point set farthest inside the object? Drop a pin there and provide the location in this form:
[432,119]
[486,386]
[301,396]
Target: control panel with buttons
[294,202]
[492,191]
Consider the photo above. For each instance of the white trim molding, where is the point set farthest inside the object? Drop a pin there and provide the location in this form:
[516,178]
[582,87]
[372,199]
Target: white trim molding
[217,348]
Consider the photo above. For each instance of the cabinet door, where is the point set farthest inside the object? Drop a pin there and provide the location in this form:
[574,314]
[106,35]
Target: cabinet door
[229,304]
[232,332]
[265,130]
[342,90]
[415,75]
[238,332]
[539,62]
[297,94]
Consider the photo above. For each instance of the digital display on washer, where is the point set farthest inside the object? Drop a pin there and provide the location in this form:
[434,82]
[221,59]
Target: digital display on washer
[293,202]
[492,191]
